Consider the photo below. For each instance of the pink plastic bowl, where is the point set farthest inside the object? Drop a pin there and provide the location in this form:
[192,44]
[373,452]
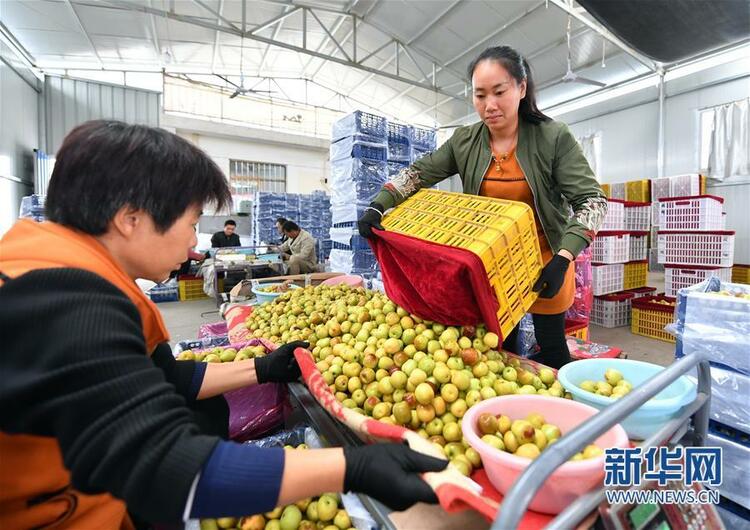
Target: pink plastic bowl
[566,483]
[350,280]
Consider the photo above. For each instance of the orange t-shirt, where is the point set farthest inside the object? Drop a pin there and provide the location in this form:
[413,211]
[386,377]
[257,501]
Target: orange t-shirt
[505,180]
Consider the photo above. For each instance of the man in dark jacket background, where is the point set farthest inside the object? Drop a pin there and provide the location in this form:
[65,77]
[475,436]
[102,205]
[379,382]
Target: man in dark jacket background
[227,237]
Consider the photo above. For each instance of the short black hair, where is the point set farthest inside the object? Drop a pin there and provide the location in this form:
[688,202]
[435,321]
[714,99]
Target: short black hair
[104,165]
[230,222]
[290,226]
[281,221]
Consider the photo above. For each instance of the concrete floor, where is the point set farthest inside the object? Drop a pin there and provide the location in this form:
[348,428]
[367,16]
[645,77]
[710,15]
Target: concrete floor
[184,318]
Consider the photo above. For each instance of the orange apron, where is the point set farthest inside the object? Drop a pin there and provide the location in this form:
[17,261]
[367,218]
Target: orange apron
[35,488]
[505,180]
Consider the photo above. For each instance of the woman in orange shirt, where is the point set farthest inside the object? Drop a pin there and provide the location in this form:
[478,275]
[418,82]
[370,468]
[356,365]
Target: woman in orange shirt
[516,152]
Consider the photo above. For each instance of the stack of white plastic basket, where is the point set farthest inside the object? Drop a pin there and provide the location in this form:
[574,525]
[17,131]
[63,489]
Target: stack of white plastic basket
[692,242]
[610,251]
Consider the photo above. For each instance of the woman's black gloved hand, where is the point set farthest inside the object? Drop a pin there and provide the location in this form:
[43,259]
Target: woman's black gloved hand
[371,219]
[279,366]
[389,472]
[552,277]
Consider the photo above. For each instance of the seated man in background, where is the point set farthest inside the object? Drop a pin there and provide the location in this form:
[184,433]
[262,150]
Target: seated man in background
[280,228]
[299,249]
[227,237]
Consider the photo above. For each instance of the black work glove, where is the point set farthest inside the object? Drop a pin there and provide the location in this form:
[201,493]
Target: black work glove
[389,472]
[371,219]
[279,366]
[552,277]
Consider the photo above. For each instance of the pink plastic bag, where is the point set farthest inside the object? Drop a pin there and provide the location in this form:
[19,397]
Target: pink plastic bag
[258,410]
[215,329]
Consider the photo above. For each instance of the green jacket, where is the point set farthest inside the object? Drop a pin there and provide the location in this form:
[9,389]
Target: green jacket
[552,161]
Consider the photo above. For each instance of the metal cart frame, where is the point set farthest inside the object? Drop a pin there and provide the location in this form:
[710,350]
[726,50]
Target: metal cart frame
[516,501]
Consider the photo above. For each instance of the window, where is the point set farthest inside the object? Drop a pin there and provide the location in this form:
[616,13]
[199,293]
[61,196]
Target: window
[591,144]
[247,177]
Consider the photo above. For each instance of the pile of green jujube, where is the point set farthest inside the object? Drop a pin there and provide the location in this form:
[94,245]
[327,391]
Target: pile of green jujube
[314,513]
[397,368]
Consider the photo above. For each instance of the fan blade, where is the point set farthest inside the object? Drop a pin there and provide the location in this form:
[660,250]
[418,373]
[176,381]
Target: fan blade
[591,82]
[236,93]
[235,85]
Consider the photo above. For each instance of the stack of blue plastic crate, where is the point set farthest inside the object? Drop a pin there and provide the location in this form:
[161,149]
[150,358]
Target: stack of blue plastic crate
[359,168]
[32,207]
[267,207]
[423,141]
[714,317]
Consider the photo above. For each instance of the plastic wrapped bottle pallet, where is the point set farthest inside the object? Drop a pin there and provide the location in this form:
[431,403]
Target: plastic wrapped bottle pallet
[708,249]
[612,310]
[678,277]
[607,278]
[729,391]
[735,455]
[703,212]
[615,218]
[635,274]
[359,122]
[357,147]
[500,232]
[637,216]
[611,247]
[650,315]
[638,246]
[709,320]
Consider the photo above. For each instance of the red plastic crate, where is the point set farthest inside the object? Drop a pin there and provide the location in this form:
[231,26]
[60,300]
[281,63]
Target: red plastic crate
[611,247]
[678,277]
[612,310]
[638,246]
[639,292]
[704,212]
[637,216]
[615,218]
[607,278]
[706,249]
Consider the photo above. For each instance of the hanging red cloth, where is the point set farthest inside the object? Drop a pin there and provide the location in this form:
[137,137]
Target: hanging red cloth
[436,282]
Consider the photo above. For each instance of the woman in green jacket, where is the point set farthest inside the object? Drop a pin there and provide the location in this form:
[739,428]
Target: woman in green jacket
[516,152]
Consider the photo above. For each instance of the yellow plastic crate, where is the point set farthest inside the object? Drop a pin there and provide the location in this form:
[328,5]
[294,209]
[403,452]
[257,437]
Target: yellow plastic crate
[650,314]
[741,274]
[606,190]
[502,233]
[638,191]
[191,288]
[636,274]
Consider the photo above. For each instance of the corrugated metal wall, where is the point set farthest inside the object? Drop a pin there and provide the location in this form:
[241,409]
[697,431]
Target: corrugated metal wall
[70,102]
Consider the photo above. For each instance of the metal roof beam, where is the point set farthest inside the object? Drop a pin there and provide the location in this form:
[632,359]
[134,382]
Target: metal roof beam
[85,33]
[415,38]
[276,32]
[218,15]
[216,39]
[485,39]
[288,11]
[567,6]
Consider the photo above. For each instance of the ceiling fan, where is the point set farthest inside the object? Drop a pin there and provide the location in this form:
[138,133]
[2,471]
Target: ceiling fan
[241,89]
[570,76]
